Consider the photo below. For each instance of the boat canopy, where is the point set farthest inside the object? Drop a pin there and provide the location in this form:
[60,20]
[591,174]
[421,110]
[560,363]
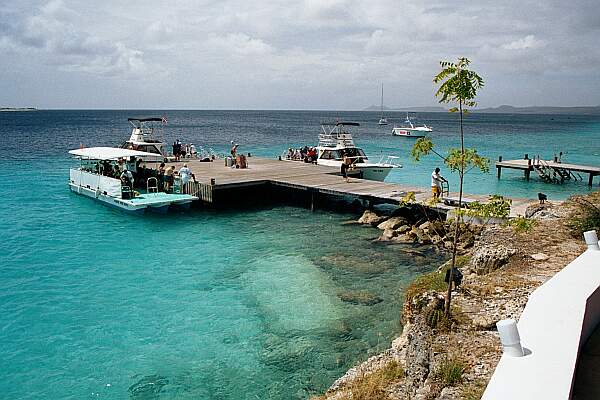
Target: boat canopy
[110,153]
[149,119]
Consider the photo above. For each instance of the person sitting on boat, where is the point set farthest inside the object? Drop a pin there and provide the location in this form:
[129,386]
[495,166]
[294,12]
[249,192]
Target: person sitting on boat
[436,183]
[127,178]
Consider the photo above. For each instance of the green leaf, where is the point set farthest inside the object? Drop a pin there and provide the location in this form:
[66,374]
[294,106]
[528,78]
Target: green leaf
[422,147]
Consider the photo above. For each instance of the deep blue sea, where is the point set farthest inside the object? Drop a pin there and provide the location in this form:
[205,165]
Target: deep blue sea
[243,304]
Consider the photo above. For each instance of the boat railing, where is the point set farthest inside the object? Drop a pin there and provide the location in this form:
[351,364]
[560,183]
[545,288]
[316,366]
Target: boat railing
[393,161]
[152,185]
[333,140]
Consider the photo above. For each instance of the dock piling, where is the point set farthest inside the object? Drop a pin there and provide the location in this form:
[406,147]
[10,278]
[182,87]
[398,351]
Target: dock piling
[498,167]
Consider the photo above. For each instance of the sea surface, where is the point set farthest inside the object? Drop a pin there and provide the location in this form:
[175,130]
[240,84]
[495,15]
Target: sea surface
[241,304]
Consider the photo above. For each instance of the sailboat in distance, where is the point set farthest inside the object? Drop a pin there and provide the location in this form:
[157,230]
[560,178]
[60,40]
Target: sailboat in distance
[382,120]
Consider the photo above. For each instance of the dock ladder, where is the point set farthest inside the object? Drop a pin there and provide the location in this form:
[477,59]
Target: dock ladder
[152,185]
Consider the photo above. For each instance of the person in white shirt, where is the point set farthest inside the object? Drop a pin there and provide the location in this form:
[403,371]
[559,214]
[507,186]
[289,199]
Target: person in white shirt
[185,174]
[436,183]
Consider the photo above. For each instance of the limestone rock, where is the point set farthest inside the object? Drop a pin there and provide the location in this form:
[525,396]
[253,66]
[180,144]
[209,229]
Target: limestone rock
[369,217]
[484,322]
[392,223]
[388,234]
[541,211]
[539,256]
[404,238]
[361,297]
[489,258]
[403,229]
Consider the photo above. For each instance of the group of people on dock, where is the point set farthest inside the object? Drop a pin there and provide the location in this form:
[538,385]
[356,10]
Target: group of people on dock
[167,177]
[187,150]
[306,154]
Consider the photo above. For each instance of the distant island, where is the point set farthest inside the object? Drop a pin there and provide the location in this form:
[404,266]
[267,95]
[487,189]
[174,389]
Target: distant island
[503,109]
[405,109]
[17,109]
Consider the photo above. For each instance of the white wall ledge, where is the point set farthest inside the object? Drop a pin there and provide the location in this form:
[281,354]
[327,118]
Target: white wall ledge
[559,317]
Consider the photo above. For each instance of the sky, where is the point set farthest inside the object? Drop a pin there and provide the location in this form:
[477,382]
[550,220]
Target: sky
[312,54]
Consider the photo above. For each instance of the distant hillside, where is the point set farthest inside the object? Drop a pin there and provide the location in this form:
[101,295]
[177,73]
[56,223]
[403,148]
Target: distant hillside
[505,109]
[17,109]
[411,109]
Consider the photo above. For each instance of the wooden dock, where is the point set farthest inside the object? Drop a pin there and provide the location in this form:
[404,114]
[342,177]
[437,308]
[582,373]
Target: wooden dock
[549,171]
[218,184]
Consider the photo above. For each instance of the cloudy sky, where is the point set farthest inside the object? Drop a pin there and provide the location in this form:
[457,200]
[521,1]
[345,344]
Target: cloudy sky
[312,54]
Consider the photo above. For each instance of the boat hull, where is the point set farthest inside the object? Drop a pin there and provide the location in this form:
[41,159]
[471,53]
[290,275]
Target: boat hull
[408,133]
[374,173]
[107,200]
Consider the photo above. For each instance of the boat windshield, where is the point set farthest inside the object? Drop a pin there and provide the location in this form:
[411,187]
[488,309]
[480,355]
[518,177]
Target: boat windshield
[352,152]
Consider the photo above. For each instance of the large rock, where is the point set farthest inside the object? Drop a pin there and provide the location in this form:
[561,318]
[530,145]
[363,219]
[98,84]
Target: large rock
[403,229]
[370,218]
[388,234]
[541,211]
[361,297]
[489,258]
[392,223]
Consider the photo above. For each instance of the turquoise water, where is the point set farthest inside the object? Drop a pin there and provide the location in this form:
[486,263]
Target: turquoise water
[206,305]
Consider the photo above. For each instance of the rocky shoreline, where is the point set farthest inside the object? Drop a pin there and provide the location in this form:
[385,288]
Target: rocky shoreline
[454,358]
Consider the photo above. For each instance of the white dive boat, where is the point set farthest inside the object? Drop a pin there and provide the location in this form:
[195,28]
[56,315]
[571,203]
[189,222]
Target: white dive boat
[382,120]
[409,130]
[335,142]
[96,178]
[143,136]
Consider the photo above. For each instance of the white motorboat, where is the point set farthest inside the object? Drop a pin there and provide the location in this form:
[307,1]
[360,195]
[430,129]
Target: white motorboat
[143,136]
[98,178]
[382,120]
[409,130]
[335,142]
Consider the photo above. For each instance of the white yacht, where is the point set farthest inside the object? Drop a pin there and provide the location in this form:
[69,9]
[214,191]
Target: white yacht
[382,120]
[335,142]
[409,130]
[98,177]
[143,136]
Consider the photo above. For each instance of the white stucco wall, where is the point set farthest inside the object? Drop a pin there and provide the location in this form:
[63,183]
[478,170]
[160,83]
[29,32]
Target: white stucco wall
[557,320]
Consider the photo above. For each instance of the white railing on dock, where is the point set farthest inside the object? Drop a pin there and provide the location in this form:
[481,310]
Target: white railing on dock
[557,321]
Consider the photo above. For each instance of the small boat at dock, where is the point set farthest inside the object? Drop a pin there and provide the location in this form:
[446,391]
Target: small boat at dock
[97,177]
[409,130]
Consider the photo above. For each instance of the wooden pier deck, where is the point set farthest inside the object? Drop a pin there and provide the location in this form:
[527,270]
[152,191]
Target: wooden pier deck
[215,181]
[549,171]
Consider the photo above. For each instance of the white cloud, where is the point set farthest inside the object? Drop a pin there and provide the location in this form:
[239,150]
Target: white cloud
[54,32]
[334,53]
[528,42]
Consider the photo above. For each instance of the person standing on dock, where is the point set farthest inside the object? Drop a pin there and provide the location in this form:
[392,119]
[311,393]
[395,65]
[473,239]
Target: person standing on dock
[185,174]
[344,167]
[234,147]
[436,183]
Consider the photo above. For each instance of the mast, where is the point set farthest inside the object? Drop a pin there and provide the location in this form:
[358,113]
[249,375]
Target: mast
[382,101]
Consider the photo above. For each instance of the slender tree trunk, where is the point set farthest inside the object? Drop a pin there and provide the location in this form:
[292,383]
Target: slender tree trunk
[458,215]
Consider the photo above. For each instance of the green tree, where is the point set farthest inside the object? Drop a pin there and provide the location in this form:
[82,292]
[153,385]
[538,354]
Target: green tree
[458,85]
